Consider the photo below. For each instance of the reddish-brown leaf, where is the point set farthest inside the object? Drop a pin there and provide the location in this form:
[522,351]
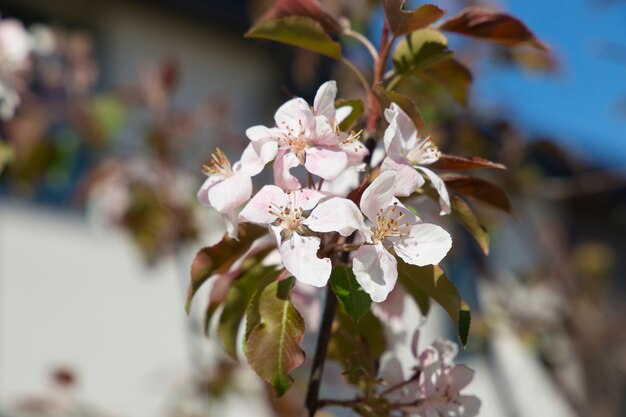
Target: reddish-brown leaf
[403,21]
[455,77]
[453,162]
[492,26]
[305,8]
[482,190]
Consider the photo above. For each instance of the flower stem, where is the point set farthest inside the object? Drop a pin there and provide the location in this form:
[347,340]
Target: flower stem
[358,74]
[364,41]
[312,402]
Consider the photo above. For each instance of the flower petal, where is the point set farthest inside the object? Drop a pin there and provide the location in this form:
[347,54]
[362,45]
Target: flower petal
[255,156]
[294,116]
[324,103]
[342,112]
[232,222]
[335,215]
[355,150]
[325,163]
[262,133]
[286,160]
[306,198]
[299,255]
[427,244]
[257,210]
[379,194]
[407,179]
[231,193]
[440,186]
[375,270]
[458,378]
[203,192]
[401,134]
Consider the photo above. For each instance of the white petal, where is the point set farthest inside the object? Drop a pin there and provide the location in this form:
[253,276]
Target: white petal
[255,156]
[342,112]
[232,223]
[306,198]
[356,152]
[293,116]
[343,184]
[376,270]
[324,134]
[257,210]
[286,160]
[401,134]
[427,244]
[325,163]
[231,193]
[440,186]
[262,133]
[335,215]
[407,179]
[324,103]
[459,377]
[379,194]
[203,193]
[299,255]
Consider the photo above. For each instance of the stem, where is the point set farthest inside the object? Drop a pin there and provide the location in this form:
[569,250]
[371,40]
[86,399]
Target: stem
[364,41]
[358,74]
[394,81]
[312,402]
[379,68]
[361,401]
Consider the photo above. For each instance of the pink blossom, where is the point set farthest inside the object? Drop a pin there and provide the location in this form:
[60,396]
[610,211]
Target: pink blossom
[407,154]
[294,217]
[393,229]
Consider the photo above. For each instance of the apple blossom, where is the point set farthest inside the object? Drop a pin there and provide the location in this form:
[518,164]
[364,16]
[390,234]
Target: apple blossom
[304,136]
[293,217]
[227,187]
[407,154]
[393,226]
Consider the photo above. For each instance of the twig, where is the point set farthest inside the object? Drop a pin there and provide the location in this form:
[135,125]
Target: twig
[364,41]
[358,74]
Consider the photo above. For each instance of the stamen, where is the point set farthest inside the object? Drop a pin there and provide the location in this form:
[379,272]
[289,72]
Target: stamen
[219,164]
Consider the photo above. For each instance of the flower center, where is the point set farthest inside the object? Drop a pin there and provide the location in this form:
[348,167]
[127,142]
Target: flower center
[297,141]
[219,165]
[289,217]
[389,224]
[425,152]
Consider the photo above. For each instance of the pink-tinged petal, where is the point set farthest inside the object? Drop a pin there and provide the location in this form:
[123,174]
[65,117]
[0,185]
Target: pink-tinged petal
[379,194]
[262,133]
[325,134]
[306,198]
[356,152]
[375,270]
[470,405]
[458,378]
[446,349]
[257,210]
[391,369]
[231,193]
[232,222]
[286,160]
[407,179]
[426,244]
[325,163]
[299,255]
[324,103]
[440,186]
[294,116]
[335,215]
[401,134]
[203,193]
[341,113]
[255,156]
[343,184]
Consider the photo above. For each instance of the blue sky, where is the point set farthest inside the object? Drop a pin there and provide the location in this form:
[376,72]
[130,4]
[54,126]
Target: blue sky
[579,106]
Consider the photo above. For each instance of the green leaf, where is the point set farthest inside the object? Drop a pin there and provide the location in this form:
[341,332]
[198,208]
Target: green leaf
[349,293]
[482,190]
[492,26]
[299,31]
[273,346]
[434,282]
[6,154]
[420,50]
[451,75]
[357,111]
[402,21]
[419,296]
[385,98]
[463,212]
[239,296]
[219,258]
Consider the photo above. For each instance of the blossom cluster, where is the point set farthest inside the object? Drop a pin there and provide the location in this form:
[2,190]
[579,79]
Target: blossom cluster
[306,221]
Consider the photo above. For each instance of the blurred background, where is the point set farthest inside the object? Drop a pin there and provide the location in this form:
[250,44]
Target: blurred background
[121,102]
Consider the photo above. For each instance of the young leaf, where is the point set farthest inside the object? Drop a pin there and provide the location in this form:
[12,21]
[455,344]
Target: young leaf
[402,21]
[273,347]
[349,293]
[492,26]
[305,8]
[239,295]
[299,31]
[385,98]
[219,258]
[419,296]
[451,75]
[463,212]
[482,190]
[433,281]
[420,50]
[453,162]
[357,111]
